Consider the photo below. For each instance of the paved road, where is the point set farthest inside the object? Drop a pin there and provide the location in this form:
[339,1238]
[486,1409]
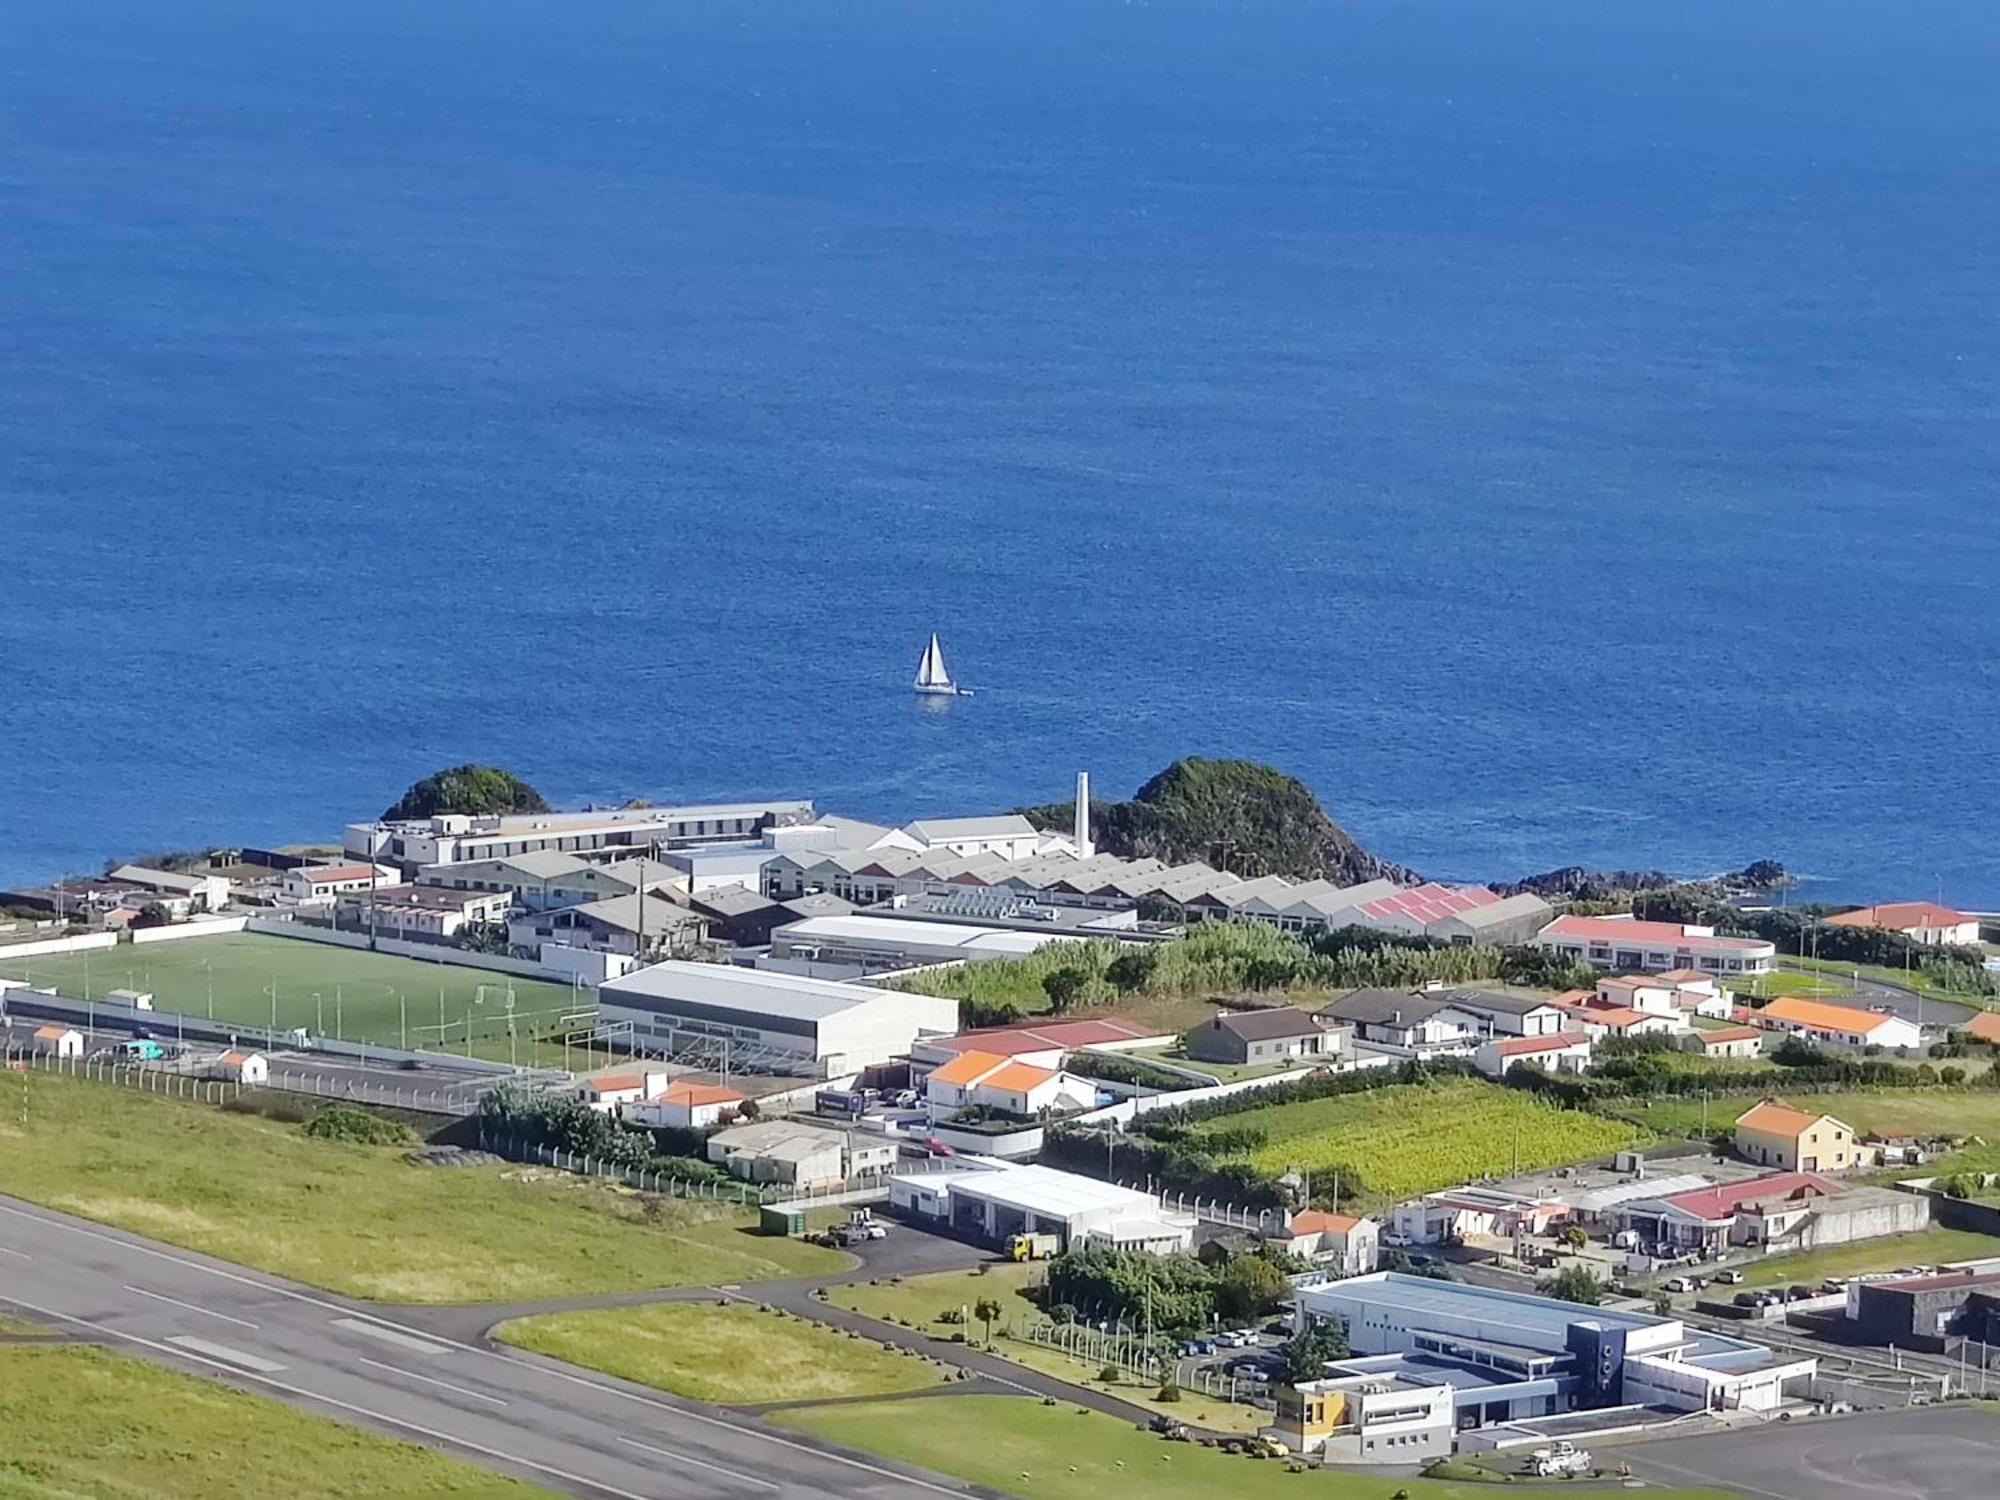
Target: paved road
[585,1435]
[1926,1453]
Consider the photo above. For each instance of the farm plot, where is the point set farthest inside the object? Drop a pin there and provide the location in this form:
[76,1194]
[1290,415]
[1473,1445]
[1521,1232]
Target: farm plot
[1406,1139]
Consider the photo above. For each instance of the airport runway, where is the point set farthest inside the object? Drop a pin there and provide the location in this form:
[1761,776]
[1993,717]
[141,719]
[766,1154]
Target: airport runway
[582,1434]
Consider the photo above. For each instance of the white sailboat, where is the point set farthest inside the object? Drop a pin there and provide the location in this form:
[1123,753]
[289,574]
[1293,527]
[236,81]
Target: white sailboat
[933,679]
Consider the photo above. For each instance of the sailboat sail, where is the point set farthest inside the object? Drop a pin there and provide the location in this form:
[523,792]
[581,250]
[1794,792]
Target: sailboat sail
[931,674]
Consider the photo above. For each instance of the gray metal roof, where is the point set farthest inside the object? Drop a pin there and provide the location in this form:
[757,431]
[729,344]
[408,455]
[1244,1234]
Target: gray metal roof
[1003,826]
[1488,1002]
[1385,1007]
[1269,1025]
[756,992]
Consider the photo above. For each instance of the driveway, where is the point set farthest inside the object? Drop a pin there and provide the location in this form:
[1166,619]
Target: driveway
[1924,1453]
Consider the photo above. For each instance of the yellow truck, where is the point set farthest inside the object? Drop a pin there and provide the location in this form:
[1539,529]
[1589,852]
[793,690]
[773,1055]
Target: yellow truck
[1033,1247]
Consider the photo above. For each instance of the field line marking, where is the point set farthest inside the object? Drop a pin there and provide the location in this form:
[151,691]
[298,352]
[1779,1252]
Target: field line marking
[444,1385]
[206,1312]
[392,1335]
[701,1463]
[17,1254]
[224,1353]
[348,1406]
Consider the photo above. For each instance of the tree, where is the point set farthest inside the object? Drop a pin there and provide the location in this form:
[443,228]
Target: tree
[1573,1237]
[474,789]
[1573,1284]
[1304,1356]
[987,1311]
[1250,1286]
[1073,987]
[153,914]
[1129,972]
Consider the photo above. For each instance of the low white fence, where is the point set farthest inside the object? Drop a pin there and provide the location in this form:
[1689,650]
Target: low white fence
[88,942]
[176,932]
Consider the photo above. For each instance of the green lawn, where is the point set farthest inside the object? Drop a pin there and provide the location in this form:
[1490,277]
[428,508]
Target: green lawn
[1017,1446]
[15,1328]
[1927,1247]
[1909,979]
[361,1219]
[1413,1138]
[729,1355]
[86,1424]
[1766,986]
[920,1301]
[326,990]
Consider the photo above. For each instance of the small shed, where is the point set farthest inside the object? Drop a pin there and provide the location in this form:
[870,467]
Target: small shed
[59,1041]
[137,999]
[247,1068]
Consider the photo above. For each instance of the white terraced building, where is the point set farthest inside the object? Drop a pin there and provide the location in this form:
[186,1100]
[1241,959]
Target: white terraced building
[1625,944]
[453,838]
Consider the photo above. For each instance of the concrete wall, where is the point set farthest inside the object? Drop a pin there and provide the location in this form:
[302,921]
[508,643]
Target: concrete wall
[1839,1223]
[429,952]
[45,947]
[180,931]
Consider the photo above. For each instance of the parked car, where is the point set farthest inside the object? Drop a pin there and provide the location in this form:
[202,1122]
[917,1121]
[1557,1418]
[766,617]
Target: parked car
[1680,1284]
[1731,1278]
[1747,1299]
[1797,1293]
[1834,1284]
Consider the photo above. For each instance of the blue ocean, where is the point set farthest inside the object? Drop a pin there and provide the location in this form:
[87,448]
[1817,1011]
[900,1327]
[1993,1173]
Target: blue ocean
[1561,432]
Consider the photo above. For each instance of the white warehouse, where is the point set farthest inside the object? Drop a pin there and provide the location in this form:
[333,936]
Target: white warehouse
[994,1201]
[823,1027]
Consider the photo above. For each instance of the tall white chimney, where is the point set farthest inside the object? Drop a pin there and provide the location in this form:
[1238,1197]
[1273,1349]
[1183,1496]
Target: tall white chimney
[1084,847]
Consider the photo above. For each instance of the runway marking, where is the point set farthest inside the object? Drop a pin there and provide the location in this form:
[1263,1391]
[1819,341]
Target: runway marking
[206,1312]
[17,1254]
[427,1379]
[700,1463]
[303,1394]
[394,1336]
[190,1343]
[52,1220]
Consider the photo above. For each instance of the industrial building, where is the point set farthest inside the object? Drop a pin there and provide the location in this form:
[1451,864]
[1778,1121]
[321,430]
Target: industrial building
[1509,1356]
[1046,1044]
[867,944]
[772,1022]
[794,1155]
[1923,1312]
[990,1203]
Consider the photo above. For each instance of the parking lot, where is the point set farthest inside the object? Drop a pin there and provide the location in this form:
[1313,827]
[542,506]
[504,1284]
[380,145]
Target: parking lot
[1926,1453]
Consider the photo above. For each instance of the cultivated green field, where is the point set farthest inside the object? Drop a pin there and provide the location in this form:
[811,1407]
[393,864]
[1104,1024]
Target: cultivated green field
[1017,1446]
[83,1423]
[361,1219]
[1414,1138]
[287,983]
[1926,1247]
[733,1355]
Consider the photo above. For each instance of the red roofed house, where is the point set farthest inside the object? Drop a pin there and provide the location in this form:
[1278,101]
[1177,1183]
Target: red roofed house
[1773,1134]
[1044,1043]
[609,1090]
[1340,1243]
[324,882]
[1562,1052]
[247,1068]
[1621,943]
[59,1041]
[1919,921]
[1760,1211]
[1616,1020]
[1841,1025]
[687,1105]
[1984,1027]
[1679,993]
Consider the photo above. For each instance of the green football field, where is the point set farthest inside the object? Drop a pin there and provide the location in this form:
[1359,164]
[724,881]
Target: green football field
[289,983]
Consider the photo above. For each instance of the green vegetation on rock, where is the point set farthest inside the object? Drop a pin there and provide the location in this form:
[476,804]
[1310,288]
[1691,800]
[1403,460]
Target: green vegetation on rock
[479,790]
[1230,813]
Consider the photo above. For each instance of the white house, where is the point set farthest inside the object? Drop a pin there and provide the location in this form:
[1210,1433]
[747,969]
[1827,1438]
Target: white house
[1340,1243]
[610,1091]
[1920,921]
[202,892]
[1626,944]
[324,882]
[1839,1025]
[247,1068]
[1562,1052]
[59,1041]
[686,1105]
[995,1201]
[991,1080]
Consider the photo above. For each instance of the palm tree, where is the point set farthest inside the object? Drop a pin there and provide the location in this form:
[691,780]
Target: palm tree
[986,1310]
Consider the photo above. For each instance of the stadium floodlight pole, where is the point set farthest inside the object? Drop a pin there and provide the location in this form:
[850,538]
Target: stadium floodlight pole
[404,1001]
[339,1030]
[208,969]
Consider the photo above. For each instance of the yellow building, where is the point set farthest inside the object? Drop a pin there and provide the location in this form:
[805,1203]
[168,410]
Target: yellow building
[1773,1134]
